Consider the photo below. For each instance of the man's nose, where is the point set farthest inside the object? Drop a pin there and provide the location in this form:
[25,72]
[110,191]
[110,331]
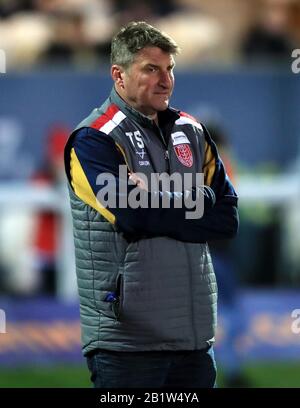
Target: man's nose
[166,79]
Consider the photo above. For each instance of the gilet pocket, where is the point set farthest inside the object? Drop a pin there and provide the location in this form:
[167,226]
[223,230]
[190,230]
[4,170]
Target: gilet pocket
[117,304]
[110,303]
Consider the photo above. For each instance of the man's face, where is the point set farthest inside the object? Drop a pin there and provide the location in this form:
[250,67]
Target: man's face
[148,83]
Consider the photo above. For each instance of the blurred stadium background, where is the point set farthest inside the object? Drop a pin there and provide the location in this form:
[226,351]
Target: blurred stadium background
[234,74]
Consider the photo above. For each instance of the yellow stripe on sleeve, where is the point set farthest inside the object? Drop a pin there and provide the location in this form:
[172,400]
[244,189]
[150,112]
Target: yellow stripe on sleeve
[83,190]
[209,165]
[123,154]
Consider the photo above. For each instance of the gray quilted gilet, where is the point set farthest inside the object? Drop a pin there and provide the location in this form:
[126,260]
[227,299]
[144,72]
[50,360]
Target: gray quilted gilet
[167,288]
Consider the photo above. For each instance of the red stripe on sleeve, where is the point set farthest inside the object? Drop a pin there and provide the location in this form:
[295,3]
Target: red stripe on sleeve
[187,115]
[105,117]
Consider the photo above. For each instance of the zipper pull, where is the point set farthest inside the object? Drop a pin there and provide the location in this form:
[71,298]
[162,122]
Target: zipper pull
[111,297]
[166,155]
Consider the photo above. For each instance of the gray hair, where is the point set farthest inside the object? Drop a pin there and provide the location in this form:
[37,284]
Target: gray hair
[136,36]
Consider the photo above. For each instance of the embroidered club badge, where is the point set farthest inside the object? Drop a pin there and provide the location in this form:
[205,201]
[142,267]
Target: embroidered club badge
[184,154]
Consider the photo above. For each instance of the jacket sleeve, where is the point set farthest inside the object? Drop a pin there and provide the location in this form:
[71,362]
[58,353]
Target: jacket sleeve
[220,221]
[93,166]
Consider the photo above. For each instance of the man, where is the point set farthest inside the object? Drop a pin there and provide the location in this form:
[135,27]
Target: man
[146,283]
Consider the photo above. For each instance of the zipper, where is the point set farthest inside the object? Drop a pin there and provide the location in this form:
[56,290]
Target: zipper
[162,137]
[165,146]
[166,156]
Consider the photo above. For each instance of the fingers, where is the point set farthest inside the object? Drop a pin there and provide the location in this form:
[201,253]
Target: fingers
[137,181]
[134,178]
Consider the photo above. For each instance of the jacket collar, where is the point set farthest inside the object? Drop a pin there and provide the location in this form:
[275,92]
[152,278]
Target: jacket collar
[164,117]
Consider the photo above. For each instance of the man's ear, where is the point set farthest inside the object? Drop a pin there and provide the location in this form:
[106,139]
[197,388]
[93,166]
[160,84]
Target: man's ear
[117,73]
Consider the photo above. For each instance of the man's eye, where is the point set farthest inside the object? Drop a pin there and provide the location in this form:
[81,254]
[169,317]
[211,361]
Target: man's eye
[152,69]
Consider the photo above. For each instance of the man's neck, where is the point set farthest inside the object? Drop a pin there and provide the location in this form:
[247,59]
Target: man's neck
[153,117]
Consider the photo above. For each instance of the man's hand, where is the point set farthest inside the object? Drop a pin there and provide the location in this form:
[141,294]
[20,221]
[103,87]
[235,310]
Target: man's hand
[138,181]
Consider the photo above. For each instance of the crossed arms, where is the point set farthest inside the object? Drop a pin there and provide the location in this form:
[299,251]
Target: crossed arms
[91,153]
